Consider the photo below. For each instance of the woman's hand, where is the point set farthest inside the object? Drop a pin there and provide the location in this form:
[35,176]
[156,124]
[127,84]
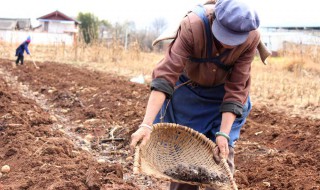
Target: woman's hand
[155,102]
[222,137]
[142,134]
[222,149]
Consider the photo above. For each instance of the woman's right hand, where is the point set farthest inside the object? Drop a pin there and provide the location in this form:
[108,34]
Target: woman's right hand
[142,134]
[155,102]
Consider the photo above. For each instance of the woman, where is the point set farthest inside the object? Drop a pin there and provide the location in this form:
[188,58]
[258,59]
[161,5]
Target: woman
[203,81]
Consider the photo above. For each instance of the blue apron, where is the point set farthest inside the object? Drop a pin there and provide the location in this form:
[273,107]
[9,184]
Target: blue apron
[199,108]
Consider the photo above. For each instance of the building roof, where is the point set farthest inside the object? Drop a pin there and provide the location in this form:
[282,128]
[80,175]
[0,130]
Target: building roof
[24,23]
[15,23]
[282,23]
[57,15]
[292,27]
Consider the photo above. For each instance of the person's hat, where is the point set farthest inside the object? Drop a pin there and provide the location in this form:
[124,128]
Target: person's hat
[28,39]
[234,20]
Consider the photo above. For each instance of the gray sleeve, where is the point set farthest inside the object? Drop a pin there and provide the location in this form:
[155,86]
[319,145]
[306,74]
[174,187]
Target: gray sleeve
[162,85]
[233,107]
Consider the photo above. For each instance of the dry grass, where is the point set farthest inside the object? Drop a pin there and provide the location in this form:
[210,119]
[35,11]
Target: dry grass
[110,58]
[290,83]
[303,51]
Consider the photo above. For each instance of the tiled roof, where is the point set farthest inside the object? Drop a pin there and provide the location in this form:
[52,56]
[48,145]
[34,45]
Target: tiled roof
[57,15]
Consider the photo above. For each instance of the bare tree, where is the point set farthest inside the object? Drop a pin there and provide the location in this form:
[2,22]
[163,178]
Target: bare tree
[159,25]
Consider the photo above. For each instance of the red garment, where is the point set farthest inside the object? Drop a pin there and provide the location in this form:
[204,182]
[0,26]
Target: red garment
[191,42]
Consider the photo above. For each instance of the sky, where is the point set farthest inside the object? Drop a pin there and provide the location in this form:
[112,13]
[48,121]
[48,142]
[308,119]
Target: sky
[144,12]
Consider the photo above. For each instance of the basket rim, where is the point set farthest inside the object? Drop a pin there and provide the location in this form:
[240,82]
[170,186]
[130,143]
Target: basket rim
[195,133]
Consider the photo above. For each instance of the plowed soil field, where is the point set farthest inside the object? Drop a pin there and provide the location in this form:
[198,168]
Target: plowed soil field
[68,128]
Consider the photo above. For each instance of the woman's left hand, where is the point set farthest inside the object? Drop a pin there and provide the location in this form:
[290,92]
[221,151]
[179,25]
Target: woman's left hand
[222,149]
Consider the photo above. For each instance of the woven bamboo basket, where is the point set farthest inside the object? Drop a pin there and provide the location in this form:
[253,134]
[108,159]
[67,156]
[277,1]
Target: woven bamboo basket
[180,154]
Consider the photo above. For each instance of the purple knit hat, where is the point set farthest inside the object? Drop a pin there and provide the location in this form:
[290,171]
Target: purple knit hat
[28,39]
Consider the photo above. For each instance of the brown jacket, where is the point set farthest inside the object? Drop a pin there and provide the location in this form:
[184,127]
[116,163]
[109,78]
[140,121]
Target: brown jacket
[191,42]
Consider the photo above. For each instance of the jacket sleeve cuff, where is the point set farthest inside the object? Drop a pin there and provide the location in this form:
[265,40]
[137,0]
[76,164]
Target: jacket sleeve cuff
[162,85]
[233,107]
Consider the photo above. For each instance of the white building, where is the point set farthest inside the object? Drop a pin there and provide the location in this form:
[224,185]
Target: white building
[274,37]
[53,28]
[57,22]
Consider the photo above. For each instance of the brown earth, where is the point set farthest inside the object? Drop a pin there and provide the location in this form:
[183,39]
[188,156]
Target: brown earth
[64,127]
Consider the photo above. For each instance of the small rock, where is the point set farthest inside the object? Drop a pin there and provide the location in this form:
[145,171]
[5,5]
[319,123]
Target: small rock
[91,121]
[52,90]
[64,110]
[53,118]
[85,149]
[5,169]
[89,137]
[267,184]
[100,161]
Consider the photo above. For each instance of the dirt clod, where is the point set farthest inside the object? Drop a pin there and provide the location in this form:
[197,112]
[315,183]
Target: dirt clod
[194,173]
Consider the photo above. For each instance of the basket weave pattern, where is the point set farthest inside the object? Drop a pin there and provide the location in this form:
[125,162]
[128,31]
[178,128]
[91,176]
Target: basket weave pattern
[172,144]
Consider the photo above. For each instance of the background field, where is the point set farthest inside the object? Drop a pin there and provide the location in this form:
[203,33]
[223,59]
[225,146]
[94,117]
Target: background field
[289,82]
[65,115]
